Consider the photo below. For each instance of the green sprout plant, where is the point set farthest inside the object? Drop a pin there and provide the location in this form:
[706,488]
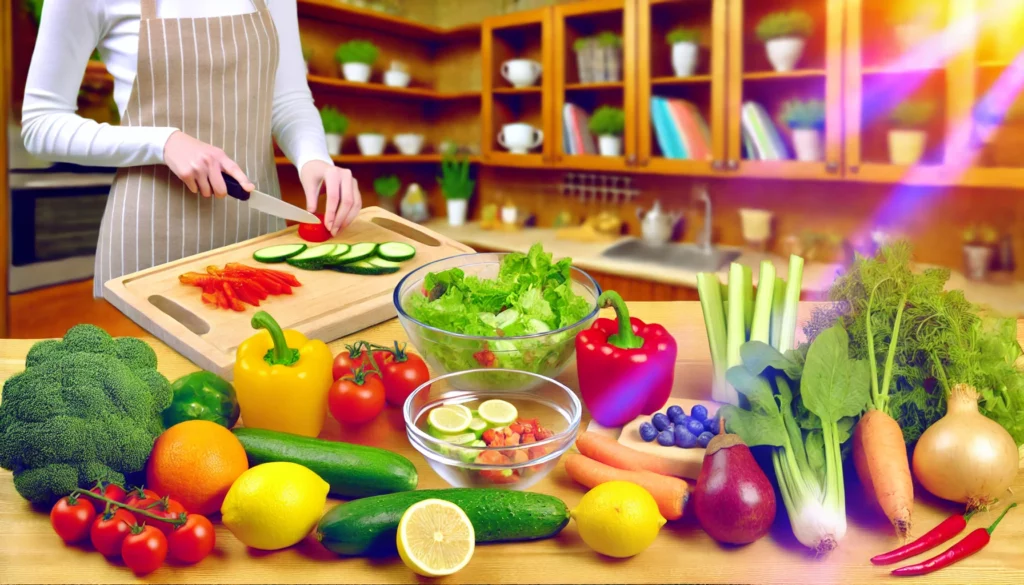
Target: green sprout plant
[357,51]
[455,181]
[785,24]
[609,39]
[387,186]
[334,121]
[799,114]
[912,114]
[980,235]
[608,121]
[683,34]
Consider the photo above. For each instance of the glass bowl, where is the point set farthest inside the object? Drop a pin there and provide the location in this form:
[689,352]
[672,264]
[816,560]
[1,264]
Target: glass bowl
[501,360]
[518,464]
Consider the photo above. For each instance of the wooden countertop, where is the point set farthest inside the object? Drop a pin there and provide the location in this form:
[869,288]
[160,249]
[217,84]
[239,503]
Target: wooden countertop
[681,553]
[1007,299]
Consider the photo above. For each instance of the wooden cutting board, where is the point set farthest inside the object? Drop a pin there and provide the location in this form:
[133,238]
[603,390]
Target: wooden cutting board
[327,306]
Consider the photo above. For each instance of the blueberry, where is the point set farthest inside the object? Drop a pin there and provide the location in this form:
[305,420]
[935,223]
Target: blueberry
[661,421]
[648,432]
[666,438]
[711,425]
[674,411]
[680,420]
[685,438]
[704,439]
[695,426]
[699,412]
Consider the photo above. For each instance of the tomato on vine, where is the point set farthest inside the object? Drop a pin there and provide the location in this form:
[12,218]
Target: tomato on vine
[144,549]
[403,373]
[107,490]
[72,517]
[356,399]
[192,541]
[109,530]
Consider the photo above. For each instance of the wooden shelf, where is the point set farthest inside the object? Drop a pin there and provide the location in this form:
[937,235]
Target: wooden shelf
[672,80]
[353,159]
[379,89]
[993,64]
[899,70]
[335,11]
[516,90]
[778,75]
[599,86]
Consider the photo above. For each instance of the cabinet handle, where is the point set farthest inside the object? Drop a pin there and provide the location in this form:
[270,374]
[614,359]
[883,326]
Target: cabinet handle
[855,169]
[717,165]
[733,165]
[831,167]
[631,160]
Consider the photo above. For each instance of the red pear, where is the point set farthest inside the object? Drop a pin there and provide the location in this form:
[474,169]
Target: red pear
[734,500]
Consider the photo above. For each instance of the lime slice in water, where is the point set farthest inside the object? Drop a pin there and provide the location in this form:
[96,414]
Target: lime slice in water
[448,420]
[498,412]
[460,407]
[462,439]
[477,426]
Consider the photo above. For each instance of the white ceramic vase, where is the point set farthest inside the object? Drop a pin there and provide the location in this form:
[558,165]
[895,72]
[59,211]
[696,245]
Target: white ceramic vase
[785,52]
[906,147]
[371,144]
[807,144]
[457,211]
[408,144]
[756,226]
[609,145]
[395,78]
[358,72]
[333,144]
[684,58]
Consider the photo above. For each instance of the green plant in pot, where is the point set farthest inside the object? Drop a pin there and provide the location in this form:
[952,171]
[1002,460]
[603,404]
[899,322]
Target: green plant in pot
[608,123]
[457,186]
[806,121]
[356,58]
[908,137]
[335,124]
[979,250]
[685,44]
[784,34]
[386,187]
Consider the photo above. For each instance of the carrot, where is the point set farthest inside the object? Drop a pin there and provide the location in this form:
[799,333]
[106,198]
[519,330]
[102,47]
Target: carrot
[880,457]
[670,493]
[610,452]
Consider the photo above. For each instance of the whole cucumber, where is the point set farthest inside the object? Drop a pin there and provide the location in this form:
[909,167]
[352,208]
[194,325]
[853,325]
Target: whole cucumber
[368,527]
[353,471]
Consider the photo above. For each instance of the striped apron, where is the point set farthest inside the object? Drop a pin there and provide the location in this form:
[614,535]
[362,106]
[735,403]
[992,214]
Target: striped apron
[212,78]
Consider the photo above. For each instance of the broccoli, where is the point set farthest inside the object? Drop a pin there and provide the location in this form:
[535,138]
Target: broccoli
[86,408]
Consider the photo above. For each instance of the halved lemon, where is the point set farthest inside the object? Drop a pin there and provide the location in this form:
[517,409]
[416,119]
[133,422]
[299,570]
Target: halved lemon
[498,412]
[435,538]
[449,421]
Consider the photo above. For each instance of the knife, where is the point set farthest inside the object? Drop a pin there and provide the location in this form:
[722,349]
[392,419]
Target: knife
[262,202]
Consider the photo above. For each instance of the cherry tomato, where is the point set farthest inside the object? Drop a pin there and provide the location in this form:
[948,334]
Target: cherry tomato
[192,541]
[107,490]
[71,518]
[345,364]
[165,508]
[314,232]
[144,549]
[141,498]
[402,377]
[352,402]
[109,530]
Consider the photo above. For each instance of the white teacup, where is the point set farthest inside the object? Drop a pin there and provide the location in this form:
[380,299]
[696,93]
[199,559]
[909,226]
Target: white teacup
[521,72]
[520,138]
[408,144]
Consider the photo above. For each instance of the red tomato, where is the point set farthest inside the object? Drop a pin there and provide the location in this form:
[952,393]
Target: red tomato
[107,490]
[141,498]
[144,549]
[345,364]
[352,402]
[71,518]
[109,531]
[192,541]
[165,508]
[314,232]
[402,377]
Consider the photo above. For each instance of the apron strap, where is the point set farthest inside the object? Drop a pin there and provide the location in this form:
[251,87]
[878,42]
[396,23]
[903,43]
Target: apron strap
[148,9]
[259,5]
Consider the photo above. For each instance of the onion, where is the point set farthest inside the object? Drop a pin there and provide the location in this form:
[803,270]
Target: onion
[965,457]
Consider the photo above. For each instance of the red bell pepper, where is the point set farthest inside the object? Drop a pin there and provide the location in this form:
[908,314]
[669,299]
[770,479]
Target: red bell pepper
[625,366]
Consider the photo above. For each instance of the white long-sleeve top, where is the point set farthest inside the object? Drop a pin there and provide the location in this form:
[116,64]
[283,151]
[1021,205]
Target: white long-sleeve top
[71,29]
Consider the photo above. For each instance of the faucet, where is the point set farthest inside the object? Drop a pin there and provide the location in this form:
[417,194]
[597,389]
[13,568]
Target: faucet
[704,237]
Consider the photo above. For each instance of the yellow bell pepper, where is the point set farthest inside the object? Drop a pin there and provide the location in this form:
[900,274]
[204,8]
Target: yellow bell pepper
[282,379]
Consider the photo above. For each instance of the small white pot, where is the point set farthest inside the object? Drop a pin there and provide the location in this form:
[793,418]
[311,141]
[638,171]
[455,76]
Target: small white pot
[609,145]
[785,52]
[977,260]
[371,144]
[807,144]
[333,144]
[756,225]
[906,147]
[408,144]
[396,78]
[684,58]
[457,211]
[358,72]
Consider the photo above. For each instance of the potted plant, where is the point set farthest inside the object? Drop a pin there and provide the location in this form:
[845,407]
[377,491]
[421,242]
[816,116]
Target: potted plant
[784,34]
[371,143]
[607,124]
[335,123]
[386,187]
[587,59]
[609,47]
[979,248]
[356,59]
[806,120]
[456,186]
[397,75]
[907,140]
[685,44]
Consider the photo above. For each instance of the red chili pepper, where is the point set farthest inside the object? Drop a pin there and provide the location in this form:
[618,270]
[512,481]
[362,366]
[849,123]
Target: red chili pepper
[625,366]
[946,530]
[969,545]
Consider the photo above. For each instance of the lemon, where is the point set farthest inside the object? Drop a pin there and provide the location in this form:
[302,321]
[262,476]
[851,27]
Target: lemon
[619,519]
[498,412]
[274,505]
[447,420]
[435,538]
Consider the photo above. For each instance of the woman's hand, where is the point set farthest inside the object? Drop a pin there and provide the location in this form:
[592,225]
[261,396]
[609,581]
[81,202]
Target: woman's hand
[343,198]
[199,165]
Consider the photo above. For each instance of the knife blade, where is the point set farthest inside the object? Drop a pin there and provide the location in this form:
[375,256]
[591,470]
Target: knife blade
[260,201]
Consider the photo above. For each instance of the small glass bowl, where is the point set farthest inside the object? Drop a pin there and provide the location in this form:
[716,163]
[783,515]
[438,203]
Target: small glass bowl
[516,467]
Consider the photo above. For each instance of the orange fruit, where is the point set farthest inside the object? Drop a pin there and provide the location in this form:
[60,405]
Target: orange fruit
[195,462]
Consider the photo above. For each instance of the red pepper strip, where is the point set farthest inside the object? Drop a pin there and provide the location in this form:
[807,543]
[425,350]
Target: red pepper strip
[233,302]
[287,277]
[222,300]
[970,544]
[946,530]
[243,292]
[625,366]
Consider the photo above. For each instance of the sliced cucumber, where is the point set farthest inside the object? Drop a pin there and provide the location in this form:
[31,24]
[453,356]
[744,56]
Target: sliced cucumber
[313,258]
[396,251]
[339,251]
[357,252]
[386,266]
[362,267]
[278,253]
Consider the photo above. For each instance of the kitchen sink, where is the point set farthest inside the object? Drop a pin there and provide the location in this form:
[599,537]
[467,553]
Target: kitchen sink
[686,256]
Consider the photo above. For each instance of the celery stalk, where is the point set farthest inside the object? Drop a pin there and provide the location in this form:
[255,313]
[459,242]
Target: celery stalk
[778,303]
[748,301]
[761,326]
[709,289]
[787,337]
[735,325]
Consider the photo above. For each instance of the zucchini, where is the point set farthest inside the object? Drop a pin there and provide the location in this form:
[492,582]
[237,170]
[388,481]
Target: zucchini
[339,251]
[371,267]
[357,252]
[368,527]
[312,258]
[386,266]
[278,253]
[396,251]
[353,471]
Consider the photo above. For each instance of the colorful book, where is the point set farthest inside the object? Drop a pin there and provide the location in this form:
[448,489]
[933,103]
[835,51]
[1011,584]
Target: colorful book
[761,133]
[696,141]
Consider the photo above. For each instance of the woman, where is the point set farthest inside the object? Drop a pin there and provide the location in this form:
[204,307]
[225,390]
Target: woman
[201,87]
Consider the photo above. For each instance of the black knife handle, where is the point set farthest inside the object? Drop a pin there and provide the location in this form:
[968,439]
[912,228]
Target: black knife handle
[235,188]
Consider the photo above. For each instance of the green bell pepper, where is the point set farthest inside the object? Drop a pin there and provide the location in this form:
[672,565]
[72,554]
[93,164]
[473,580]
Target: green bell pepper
[202,396]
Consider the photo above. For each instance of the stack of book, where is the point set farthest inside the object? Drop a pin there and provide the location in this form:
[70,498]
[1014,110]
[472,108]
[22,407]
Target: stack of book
[680,129]
[576,135]
[761,138]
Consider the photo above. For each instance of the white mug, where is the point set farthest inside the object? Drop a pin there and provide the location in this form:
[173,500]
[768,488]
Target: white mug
[521,72]
[520,138]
